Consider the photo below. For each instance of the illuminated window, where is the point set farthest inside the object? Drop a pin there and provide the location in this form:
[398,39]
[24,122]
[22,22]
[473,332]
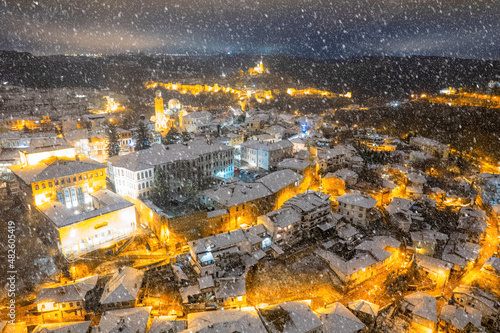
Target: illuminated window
[95,175]
[90,175]
[74,199]
[80,195]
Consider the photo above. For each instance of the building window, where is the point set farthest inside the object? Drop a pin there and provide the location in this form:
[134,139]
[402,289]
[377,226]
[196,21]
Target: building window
[60,197]
[101,173]
[63,181]
[80,195]
[69,180]
[50,184]
[74,179]
[95,174]
[56,182]
[43,185]
[80,177]
[37,187]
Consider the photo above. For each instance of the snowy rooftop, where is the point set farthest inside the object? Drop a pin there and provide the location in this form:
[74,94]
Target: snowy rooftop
[338,319]
[460,318]
[358,199]
[424,305]
[233,194]
[226,321]
[159,154]
[291,317]
[278,180]
[284,217]
[294,164]
[61,216]
[131,320]
[231,288]
[123,286]
[308,201]
[55,168]
[66,327]
[67,293]
[267,146]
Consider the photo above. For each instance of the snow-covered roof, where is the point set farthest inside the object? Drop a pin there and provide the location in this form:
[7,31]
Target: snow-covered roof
[278,180]
[231,288]
[291,317]
[337,318]
[492,265]
[345,174]
[67,293]
[266,145]
[424,305]
[226,321]
[170,324]
[61,216]
[309,201]
[460,318]
[294,164]
[55,168]
[233,194]
[123,286]
[428,236]
[432,263]
[159,154]
[357,199]
[364,306]
[284,217]
[66,327]
[133,320]
[206,282]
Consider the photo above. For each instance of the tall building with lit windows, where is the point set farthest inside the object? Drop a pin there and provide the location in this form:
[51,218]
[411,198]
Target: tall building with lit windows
[72,206]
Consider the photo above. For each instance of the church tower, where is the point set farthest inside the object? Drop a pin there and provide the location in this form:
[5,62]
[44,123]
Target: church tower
[159,106]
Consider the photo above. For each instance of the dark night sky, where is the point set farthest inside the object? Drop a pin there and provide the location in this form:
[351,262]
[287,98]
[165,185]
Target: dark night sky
[309,28]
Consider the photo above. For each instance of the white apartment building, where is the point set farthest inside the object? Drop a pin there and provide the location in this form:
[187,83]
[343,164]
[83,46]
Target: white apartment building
[189,167]
[266,155]
[356,207]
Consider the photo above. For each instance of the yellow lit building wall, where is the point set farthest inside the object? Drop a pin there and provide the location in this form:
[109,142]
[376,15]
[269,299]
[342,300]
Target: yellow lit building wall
[35,158]
[45,191]
[333,186]
[97,232]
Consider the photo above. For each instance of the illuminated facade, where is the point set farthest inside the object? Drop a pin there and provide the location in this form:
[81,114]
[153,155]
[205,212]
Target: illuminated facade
[74,207]
[32,123]
[189,167]
[166,119]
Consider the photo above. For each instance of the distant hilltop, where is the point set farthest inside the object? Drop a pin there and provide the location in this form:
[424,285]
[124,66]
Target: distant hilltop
[365,77]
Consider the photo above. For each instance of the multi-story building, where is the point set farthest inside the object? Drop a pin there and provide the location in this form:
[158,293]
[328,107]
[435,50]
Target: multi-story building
[299,218]
[330,159]
[75,210]
[266,155]
[357,208]
[244,202]
[196,121]
[431,147]
[29,122]
[189,167]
